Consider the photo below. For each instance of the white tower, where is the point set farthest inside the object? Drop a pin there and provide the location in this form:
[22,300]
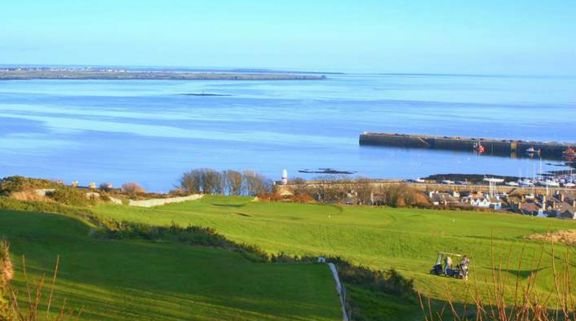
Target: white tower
[492,185]
[284,177]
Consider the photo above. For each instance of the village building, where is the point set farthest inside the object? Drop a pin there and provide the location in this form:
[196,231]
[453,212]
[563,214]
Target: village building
[530,208]
[481,200]
[444,199]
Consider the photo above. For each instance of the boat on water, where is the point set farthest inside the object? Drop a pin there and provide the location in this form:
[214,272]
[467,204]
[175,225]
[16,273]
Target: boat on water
[493,180]
[525,183]
[549,183]
[479,148]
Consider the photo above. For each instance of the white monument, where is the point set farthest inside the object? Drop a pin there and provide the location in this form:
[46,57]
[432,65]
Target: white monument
[284,177]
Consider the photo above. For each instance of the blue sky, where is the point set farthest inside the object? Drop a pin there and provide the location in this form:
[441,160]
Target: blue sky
[482,36]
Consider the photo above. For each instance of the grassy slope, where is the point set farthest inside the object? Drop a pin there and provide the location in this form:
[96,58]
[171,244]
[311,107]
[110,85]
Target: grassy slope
[136,280]
[382,238]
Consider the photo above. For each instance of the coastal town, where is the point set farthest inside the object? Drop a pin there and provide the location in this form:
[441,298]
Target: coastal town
[561,203]
[553,197]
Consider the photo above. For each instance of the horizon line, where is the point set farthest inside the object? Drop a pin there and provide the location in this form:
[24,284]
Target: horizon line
[289,70]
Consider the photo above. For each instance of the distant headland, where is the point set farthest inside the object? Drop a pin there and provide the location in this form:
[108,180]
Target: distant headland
[102,73]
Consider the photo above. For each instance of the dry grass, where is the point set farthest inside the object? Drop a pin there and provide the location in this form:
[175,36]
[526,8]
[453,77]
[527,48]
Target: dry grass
[29,195]
[567,237]
[522,302]
[6,267]
[36,303]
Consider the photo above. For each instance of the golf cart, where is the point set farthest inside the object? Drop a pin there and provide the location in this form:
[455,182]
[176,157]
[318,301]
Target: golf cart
[440,268]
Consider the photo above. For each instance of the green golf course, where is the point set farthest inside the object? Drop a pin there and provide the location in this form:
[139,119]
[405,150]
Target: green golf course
[381,238]
[143,280]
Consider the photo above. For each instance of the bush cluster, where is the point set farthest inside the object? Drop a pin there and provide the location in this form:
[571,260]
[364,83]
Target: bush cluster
[389,281]
[132,189]
[47,207]
[191,235]
[13,184]
[62,193]
[71,196]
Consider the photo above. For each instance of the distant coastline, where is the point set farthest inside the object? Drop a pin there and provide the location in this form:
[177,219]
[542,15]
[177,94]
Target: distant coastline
[127,74]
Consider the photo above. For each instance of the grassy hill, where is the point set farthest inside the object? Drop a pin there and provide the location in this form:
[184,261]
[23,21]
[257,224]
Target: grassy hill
[382,238]
[142,280]
[130,279]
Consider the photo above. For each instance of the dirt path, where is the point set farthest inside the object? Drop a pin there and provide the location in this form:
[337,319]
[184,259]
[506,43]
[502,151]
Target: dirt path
[340,290]
[163,201]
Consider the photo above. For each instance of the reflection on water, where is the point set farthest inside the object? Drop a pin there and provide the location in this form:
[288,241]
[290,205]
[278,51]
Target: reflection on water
[147,131]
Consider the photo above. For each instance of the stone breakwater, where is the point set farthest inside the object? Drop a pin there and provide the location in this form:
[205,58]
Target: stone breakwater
[496,147]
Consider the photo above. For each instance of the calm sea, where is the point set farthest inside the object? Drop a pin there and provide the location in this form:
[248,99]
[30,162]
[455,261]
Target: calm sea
[151,131]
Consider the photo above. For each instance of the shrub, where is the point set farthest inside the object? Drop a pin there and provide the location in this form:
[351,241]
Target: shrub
[48,207]
[302,198]
[13,184]
[191,235]
[132,189]
[389,281]
[272,197]
[70,196]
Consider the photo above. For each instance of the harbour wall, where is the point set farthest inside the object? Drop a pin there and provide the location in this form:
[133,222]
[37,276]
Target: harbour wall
[428,187]
[496,147]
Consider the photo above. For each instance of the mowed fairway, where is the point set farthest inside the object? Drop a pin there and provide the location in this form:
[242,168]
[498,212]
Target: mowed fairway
[139,280]
[382,238]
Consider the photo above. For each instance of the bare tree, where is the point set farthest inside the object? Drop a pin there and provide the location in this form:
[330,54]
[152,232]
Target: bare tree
[232,181]
[213,182]
[254,183]
[191,182]
[203,180]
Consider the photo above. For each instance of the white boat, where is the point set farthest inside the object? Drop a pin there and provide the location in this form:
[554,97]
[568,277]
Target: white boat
[447,182]
[525,183]
[549,183]
[570,185]
[516,184]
